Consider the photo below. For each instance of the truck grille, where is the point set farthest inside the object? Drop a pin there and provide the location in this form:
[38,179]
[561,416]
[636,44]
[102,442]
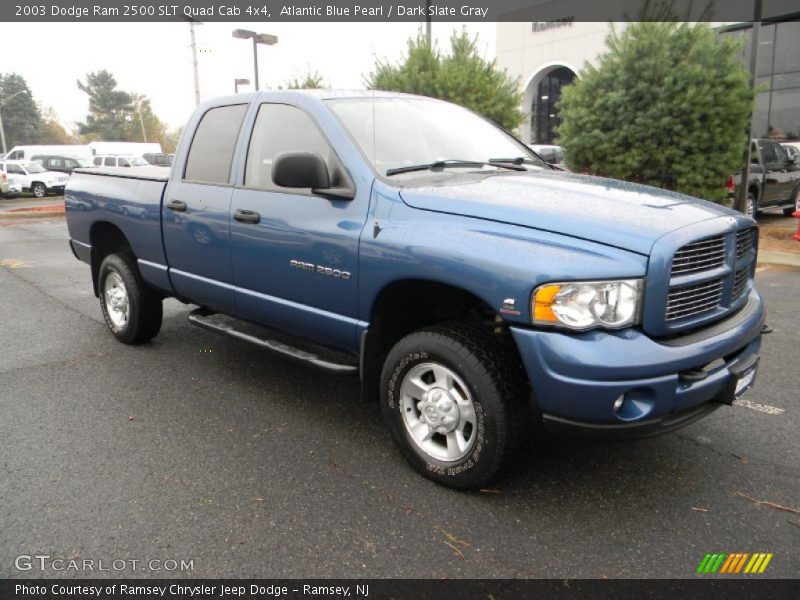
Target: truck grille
[688,300]
[744,241]
[740,282]
[709,278]
[699,256]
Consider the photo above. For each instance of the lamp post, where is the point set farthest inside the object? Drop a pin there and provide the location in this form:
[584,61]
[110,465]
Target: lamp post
[258,38]
[238,82]
[3,131]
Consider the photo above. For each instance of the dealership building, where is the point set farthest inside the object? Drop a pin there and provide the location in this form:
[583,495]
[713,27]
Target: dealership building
[546,56]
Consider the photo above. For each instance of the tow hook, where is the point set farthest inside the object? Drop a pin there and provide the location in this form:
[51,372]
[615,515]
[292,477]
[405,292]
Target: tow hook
[766,329]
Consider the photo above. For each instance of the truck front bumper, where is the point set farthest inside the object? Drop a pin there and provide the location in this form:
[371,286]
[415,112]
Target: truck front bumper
[661,385]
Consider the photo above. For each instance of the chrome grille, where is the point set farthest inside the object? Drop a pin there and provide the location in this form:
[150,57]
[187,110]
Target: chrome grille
[690,300]
[744,242]
[699,256]
[740,282]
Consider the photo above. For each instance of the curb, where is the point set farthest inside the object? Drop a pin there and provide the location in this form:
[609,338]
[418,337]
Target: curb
[37,214]
[779,258]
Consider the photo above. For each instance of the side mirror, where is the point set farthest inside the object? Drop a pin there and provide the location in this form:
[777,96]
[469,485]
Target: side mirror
[300,170]
[307,170]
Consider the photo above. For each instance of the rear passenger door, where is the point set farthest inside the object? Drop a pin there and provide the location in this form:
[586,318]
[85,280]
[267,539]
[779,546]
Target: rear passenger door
[295,265]
[776,175]
[196,212]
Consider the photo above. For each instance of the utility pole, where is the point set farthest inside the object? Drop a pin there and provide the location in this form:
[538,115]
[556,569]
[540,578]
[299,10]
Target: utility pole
[428,23]
[141,119]
[192,23]
[2,130]
[740,202]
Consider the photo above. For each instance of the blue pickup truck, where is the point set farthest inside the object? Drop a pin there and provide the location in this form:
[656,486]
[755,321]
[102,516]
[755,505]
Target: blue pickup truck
[478,292]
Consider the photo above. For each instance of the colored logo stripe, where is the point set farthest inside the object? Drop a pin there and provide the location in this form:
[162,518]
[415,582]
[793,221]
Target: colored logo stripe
[733,563]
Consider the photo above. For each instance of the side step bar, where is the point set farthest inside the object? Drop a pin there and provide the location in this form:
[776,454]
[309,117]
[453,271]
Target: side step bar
[254,334]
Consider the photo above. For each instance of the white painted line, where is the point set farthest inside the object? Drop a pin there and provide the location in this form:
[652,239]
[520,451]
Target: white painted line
[770,410]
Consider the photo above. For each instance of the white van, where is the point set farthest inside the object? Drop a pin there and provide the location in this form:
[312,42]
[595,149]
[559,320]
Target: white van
[27,153]
[124,148]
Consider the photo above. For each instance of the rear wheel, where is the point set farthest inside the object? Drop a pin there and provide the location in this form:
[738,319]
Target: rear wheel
[39,190]
[450,398]
[132,312]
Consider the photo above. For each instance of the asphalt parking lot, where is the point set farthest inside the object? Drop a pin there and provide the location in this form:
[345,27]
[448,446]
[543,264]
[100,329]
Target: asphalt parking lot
[201,448]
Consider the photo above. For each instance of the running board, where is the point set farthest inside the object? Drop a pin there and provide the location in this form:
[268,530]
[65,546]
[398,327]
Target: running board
[260,336]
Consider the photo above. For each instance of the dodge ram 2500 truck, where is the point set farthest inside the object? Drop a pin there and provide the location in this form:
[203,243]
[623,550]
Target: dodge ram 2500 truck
[477,291]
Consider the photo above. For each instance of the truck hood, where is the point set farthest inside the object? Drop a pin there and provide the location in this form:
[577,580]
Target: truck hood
[611,212]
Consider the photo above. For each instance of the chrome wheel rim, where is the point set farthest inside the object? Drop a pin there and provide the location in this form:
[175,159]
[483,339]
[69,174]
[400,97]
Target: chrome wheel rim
[116,299]
[38,191]
[438,412]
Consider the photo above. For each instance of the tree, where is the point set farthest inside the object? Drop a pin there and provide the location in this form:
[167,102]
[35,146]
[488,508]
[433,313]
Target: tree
[462,76]
[110,110]
[52,131]
[145,126]
[666,105]
[22,121]
[311,81]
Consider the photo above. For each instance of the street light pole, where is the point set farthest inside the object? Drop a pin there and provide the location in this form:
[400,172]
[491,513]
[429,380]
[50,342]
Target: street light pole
[258,38]
[2,130]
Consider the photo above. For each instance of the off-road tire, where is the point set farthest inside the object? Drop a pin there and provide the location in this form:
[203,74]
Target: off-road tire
[145,307]
[495,386]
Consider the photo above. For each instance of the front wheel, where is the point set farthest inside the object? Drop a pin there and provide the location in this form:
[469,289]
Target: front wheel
[132,312]
[449,395]
[39,190]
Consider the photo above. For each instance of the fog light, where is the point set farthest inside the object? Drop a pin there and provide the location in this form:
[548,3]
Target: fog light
[618,403]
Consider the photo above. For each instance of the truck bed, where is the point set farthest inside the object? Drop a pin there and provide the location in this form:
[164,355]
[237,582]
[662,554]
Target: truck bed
[126,199]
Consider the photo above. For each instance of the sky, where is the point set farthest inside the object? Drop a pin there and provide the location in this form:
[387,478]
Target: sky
[155,59]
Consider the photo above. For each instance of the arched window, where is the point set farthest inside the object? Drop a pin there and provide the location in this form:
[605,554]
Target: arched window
[545,116]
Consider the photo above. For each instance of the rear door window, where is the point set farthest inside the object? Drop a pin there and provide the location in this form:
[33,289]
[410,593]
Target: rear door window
[110,161]
[211,154]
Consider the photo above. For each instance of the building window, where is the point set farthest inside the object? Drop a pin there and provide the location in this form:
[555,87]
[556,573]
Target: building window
[776,114]
[545,115]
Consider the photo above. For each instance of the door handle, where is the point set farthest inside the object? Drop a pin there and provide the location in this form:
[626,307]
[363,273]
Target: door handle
[247,216]
[177,205]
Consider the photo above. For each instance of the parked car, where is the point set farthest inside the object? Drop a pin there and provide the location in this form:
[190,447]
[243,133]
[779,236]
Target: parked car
[473,295]
[159,160]
[5,187]
[792,149]
[33,177]
[62,164]
[119,160]
[554,155]
[774,179]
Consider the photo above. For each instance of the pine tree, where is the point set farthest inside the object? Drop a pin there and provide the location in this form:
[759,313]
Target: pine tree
[462,76]
[22,120]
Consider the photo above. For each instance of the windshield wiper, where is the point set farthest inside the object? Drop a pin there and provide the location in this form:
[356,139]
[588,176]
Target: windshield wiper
[518,160]
[451,163]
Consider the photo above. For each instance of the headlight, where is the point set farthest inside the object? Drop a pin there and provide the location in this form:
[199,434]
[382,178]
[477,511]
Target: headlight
[587,304]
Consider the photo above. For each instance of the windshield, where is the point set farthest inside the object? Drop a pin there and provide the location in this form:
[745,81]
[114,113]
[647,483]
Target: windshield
[138,161]
[34,167]
[403,132]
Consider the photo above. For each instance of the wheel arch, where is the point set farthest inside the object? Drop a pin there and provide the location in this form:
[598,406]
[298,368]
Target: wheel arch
[105,238]
[406,305]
